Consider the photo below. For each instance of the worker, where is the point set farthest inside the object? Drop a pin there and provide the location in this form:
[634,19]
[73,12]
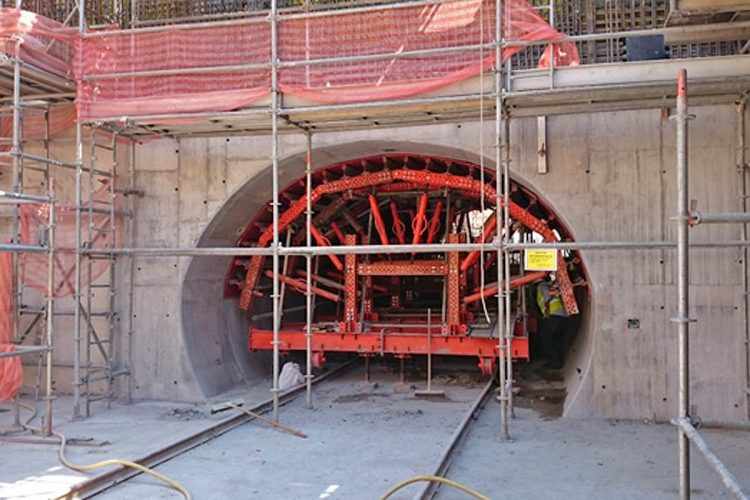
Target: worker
[556,325]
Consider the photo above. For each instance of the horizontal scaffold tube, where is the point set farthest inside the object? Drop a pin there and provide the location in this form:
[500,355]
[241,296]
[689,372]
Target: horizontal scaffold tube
[391,249]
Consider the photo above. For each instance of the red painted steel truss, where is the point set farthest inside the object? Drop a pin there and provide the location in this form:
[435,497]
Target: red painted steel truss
[362,300]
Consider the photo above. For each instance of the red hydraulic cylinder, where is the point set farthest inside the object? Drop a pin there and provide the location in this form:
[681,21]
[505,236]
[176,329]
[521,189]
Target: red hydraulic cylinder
[491,289]
[489,228]
[338,232]
[398,226]
[435,222]
[378,219]
[323,241]
[301,286]
[420,219]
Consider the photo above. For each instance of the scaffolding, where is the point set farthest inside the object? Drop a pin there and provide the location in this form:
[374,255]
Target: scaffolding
[278,118]
[16,197]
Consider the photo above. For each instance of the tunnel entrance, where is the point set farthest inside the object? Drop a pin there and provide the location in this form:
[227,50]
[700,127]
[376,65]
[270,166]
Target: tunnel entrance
[401,305]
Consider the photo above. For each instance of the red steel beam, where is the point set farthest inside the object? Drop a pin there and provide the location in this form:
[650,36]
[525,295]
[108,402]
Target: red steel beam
[491,289]
[350,286]
[377,217]
[389,343]
[323,241]
[398,226]
[453,307]
[301,286]
[434,180]
[403,268]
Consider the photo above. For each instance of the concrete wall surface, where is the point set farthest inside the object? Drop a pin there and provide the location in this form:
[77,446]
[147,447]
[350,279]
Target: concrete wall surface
[611,178]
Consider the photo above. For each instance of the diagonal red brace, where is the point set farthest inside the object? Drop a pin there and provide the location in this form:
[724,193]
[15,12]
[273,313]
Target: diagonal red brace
[489,228]
[420,219]
[323,241]
[398,226]
[492,289]
[377,217]
[435,222]
[301,286]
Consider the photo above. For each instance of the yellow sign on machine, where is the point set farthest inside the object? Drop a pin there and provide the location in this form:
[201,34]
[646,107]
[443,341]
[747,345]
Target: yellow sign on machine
[540,259]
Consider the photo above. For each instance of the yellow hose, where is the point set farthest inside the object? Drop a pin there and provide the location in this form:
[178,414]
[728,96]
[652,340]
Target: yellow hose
[434,479]
[106,463]
[115,461]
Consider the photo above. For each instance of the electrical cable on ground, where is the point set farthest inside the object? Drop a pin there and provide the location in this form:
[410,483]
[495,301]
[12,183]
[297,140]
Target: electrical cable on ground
[106,463]
[434,479]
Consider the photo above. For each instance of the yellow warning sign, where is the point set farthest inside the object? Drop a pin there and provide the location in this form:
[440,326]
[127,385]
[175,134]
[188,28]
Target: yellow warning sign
[538,259]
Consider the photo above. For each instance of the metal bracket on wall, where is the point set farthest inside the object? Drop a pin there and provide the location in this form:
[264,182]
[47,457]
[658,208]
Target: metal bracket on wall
[541,150]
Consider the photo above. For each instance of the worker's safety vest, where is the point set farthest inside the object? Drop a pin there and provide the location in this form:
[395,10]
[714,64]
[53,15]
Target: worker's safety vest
[549,305]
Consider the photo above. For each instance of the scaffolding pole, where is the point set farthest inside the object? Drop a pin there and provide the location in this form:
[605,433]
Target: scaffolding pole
[275,209]
[741,162]
[308,274]
[499,211]
[17,180]
[683,281]
[78,252]
[49,396]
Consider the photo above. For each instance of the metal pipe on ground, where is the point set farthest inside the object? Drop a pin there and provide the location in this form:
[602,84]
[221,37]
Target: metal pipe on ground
[726,476]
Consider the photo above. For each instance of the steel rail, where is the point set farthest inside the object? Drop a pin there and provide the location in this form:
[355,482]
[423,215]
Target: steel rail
[446,458]
[121,474]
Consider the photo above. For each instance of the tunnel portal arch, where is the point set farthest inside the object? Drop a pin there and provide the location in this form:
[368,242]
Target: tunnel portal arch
[357,183]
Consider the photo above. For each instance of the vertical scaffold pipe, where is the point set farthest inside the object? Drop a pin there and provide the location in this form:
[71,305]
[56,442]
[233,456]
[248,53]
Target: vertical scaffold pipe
[741,160]
[17,180]
[275,208]
[77,279]
[308,275]
[683,277]
[506,264]
[504,431]
[50,295]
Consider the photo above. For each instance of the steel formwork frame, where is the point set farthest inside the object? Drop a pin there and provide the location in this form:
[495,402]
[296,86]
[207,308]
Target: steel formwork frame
[502,245]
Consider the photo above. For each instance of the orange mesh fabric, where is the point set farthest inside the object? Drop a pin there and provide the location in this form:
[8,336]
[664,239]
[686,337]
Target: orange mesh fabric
[46,44]
[460,23]
[11,376]
[33,266]
[61,118]
[245,46]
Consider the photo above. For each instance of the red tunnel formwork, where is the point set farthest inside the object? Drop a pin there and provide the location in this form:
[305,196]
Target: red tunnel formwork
[378,304]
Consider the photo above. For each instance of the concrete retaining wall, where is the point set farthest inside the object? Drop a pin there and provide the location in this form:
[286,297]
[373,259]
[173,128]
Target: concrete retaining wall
[611,177]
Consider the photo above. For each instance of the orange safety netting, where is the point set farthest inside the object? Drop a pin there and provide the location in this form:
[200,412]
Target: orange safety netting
[33,269]
[391,31]
[103,63]
[46,44]
[34,220]
[11,376]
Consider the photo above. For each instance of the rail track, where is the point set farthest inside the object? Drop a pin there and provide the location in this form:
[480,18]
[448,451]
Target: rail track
[102,482]
[429,490]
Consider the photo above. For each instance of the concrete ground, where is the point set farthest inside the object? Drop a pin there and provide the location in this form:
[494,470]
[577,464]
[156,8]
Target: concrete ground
[554,458]
[364,437]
